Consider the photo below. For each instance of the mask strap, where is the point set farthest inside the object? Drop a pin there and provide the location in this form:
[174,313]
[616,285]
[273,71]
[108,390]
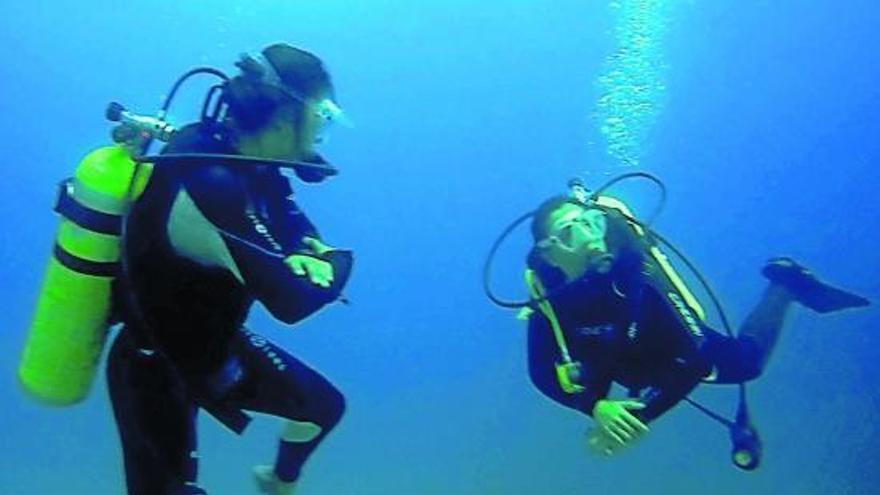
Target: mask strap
[269,75]
[327,109]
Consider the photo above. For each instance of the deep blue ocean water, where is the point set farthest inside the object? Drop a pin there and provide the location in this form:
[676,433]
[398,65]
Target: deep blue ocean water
[468,114]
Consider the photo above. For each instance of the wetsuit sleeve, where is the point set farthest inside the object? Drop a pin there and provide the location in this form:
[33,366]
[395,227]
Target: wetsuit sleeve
[543,355]
[260,226]
[257,210]
[669,391]
[280,210]
[678,335]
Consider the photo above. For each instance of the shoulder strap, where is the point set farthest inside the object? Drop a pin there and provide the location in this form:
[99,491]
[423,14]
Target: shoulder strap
[659,257]
[568,371]
[536,291]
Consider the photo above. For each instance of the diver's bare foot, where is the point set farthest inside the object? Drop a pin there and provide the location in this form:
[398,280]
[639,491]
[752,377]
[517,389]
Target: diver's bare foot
[268,482]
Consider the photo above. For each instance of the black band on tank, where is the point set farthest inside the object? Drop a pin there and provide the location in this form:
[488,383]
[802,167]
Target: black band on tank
[85,217]
[84,266]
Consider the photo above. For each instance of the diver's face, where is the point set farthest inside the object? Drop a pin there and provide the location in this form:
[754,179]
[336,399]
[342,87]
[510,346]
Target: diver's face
[576,241]
[277,141]
[310,131]
[318,115]
[283,141]
[287,137]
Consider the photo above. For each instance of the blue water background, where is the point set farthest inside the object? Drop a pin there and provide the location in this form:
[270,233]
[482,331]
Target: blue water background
[467,114]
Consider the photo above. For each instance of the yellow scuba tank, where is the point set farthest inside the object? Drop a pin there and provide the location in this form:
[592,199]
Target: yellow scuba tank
[70,323]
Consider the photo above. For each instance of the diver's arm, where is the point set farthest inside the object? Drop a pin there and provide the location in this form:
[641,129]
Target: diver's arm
[287,219]
[669,391]
[264,246]
[633,256]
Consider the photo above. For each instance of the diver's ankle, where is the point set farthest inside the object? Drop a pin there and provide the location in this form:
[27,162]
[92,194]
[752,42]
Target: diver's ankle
[269,483]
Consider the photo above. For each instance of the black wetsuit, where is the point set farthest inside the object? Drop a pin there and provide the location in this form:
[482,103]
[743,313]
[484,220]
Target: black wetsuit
[632,327]
[201,245]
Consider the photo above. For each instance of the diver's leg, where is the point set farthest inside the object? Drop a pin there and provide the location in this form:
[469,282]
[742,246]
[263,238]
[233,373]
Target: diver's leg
[789,282]
[760,331]
[277,383]
[745,357]
[155,420]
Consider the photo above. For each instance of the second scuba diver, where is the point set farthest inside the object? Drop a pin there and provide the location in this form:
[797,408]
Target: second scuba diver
[201,245]
[610,308]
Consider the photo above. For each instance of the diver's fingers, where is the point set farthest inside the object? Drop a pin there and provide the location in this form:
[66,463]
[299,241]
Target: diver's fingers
[630,430]
[328,268]
[632,404]
[316,245]
[635,423]
[619,433]
[324,273]
[613,436]
[296,265]
[320,272]
[318,276]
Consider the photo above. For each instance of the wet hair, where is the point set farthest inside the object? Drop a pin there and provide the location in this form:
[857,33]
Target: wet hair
[252,104]
[551,276]
[301,71]
[541,221]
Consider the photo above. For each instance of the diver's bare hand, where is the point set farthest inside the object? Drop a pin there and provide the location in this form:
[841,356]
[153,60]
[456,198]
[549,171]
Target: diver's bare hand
[319,271]
[614,419]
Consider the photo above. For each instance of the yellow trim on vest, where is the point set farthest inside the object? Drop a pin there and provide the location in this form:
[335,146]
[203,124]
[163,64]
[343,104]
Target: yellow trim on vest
[141,178]
[536,290]
[567,366]
[658,256]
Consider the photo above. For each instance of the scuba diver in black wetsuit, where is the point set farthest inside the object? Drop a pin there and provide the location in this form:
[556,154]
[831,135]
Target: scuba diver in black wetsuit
[606,306]
[205,241]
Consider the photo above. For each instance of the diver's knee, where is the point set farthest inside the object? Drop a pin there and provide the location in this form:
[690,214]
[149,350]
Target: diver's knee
[328,407]
[752,359]
[750,371]
[319,422]
[333,409]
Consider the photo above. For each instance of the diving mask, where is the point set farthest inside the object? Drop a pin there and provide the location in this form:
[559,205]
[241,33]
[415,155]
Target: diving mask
[576,240]
[578,230]
[327,113]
